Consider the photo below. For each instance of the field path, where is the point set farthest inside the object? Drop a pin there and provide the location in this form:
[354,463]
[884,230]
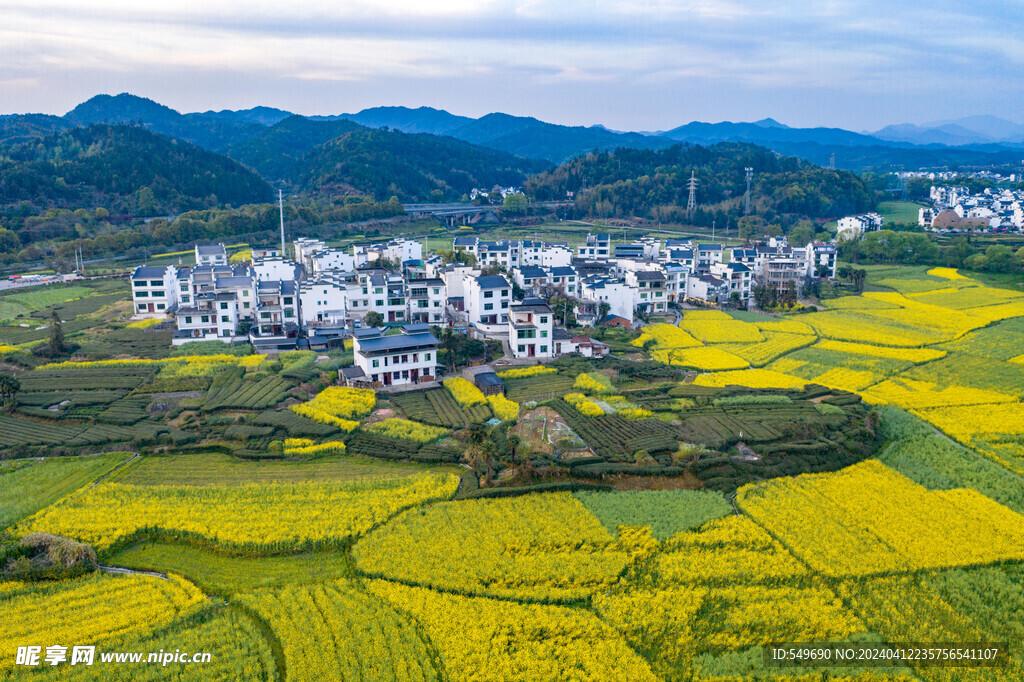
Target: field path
[115,469]
[130,571]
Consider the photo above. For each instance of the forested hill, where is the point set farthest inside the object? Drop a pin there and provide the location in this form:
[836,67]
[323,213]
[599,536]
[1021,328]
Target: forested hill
[124,169]
[653,183]
[276,151]
[413,167]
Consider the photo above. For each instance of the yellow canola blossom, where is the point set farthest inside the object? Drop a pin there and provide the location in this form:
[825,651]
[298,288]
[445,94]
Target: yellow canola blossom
[859,327]
[994,430]
[714,326]
[665,336]
[255,516]
[916,395]
[846,379]
[996,313]
[946,273]
[503,408]
[594,382]
[788,326]
[584,405]
[337,632]
[776,344]
[406,430]
[753,378]
[308,448]
[464,392]
[1018,359]
[545,547]
[705,358]
[487,639]
[868,519]
[523,372]
[145,323]
[338,406]
[906,354]
[91,610]
[726,551]
[183,364]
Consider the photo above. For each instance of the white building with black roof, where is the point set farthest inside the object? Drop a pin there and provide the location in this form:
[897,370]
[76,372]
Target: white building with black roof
[406,358]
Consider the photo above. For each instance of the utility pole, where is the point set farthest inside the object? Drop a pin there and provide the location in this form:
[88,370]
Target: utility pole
[692,185]
[746,204]
[280,208]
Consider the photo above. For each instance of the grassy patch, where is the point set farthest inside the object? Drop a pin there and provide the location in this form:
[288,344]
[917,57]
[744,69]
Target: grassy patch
[899,212]
[667,512]
[226,574]
[27,488]
[221,469]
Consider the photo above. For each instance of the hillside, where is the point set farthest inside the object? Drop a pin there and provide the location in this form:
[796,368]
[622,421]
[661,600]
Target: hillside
[275,152]
[637,182]
[125,169]
[413,167]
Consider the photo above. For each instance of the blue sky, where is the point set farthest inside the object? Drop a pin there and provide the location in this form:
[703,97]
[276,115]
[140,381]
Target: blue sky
[629,64]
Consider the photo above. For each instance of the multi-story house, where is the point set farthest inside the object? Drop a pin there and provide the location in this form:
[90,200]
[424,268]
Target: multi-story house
[706,255]
[154,291]
[675,280]
[487,302]
[565,280]
[531,279]
[737,277]
[619,296]
[707,288]
[651,295]
[330,260]
[277,309]
[305,248]
[406,358]
[211,254]
[276,268]
[530,329]
[323,300]
[596,247]
[427,300]
[821,260]
[219,299]
[852,227]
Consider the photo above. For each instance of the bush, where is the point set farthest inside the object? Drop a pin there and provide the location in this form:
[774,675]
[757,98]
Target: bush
[464,392]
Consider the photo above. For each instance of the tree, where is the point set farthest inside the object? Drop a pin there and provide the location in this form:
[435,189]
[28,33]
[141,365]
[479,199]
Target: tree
[801,233]
[56,345]
[603,309]
[374,319]
[9,387]
[751,226]
[514,204]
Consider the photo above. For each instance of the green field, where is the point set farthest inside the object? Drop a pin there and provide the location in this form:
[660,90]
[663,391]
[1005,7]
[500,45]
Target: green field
[902,212]
[27,488]
[221,469]
[667,512]
[226,574]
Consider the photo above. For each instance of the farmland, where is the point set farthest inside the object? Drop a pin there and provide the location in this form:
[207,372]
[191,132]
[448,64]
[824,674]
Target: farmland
[851,474]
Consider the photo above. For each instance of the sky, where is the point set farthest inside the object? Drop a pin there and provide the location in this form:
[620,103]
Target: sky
[626,64]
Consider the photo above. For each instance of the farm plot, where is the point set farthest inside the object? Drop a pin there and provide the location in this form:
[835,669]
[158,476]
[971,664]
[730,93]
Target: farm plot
[230,390]
[283,516]
[545,547]
[972,372]
[104,433]
[83,379]
[438,407]
[126,411]
[775,345]
[293,424]
[867,519]
[15,432]
[665,512]
[538,388]
[713,326]
[380,447]
[29,488]
[614,437]
[76,398]
[338,632]
[145,343]
[1000,341]
[858,327]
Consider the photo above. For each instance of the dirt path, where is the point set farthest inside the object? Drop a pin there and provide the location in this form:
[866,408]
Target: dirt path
[121,570]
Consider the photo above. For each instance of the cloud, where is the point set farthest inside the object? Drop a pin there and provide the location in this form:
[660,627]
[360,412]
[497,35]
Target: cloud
[907,51]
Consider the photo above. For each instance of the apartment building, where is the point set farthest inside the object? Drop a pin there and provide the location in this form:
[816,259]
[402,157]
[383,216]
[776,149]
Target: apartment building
[530,329]
[406,358]
[154,291]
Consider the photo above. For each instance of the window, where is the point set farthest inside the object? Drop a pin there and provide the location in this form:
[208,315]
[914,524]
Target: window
[246,305]
[156,283]
[488,306]
[543,349]
[245,294]
[263,316]
[376,363]
[205,319]
[422,303]
[188,320]
[522,348]
[543,333]
[504,292]
[504,304]
[426,356]
[543,319]
[488,294]
[437,292]
[223,305]
[437,304]
[289,313]
[288,300]
[184,287]
[225,318]
[157,294]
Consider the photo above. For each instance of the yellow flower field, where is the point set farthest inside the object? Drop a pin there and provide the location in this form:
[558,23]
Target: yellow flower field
[523,372]
[916,395]
[946,273]
[706,358]
[714,326]
[406,430]
[786,325]
[584,405]
[754,378]
[861,328]
[907,354]
[338,406]
[536,547]
[91,610]
[513,641]
[665,336]
[338,632]
[776,344]
[464,392]
[868,519]
[244,516]
[309,448]
[594,383]
[503,408]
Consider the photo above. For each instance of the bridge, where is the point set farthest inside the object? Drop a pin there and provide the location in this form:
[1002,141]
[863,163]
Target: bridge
[465,214]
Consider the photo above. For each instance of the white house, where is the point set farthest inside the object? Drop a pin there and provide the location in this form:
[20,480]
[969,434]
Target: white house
[427,300]
[707,254]
[618,295]
[487,302]
[276,268]
[277,308]
[566,280]
[596,247]
[737,277]
[707,288]
[531,278]
[211,254]
[406,358]
[154,291]
[219,299]
[331,259]
[530,329]
[852,227]
[305,248]
[651,293]
[323,299]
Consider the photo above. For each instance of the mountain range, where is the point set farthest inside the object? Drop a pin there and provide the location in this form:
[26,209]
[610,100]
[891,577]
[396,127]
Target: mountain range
[977,140]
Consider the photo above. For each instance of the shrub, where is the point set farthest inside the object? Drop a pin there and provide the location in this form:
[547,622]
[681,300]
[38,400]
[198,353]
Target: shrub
[406,430]
[593,383]
[503,408]
[523,372]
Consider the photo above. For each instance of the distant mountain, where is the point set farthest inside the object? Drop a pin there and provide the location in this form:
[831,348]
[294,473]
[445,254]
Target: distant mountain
[766,133]
[415,167]
[264,116]
[421,120]
[206,130]
[20,127]
[275,152]
[653,183]
[971,130]
[991,127]
[125,169]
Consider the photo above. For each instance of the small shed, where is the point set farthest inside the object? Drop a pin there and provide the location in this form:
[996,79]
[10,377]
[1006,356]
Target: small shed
[489,383]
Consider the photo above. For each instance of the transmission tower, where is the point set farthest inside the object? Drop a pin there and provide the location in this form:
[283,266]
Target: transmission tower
[746,200]
[692,185]
[832,161]
[280,207]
